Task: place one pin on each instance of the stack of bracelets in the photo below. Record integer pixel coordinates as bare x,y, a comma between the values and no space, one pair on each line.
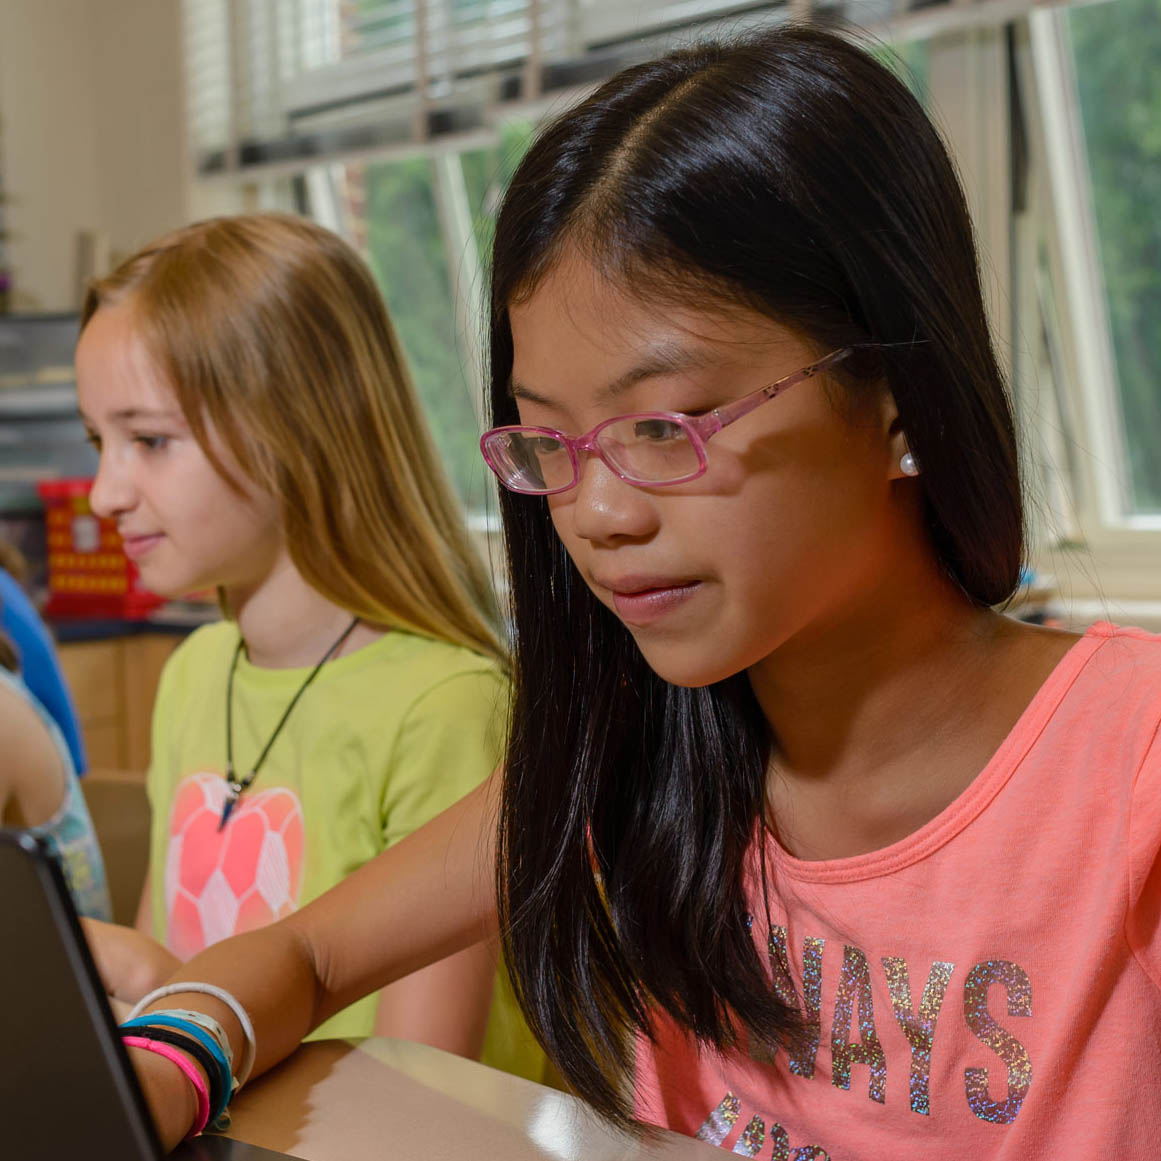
193,1040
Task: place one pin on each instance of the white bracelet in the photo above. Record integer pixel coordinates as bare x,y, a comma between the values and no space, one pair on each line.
210,1025
184,987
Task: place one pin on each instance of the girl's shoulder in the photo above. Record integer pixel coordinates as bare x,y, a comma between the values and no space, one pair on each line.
1115,689
403,683
417,664
1127,659
1130,635
418,653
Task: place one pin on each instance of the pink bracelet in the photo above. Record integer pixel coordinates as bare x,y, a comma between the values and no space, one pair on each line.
187,1066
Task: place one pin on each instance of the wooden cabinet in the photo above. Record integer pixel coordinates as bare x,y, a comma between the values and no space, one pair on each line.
114,683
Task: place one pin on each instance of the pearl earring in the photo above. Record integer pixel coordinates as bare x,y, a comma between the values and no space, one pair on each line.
908,466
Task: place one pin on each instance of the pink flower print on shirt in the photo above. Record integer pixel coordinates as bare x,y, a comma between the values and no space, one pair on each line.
221,883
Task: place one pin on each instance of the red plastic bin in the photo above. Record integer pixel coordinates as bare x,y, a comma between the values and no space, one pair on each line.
89,574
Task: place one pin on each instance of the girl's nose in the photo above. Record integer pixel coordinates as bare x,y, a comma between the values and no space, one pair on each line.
112,493
605,508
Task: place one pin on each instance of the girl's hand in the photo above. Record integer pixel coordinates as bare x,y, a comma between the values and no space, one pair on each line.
130,964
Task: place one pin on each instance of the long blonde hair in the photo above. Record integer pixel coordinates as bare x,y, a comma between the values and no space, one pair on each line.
275,338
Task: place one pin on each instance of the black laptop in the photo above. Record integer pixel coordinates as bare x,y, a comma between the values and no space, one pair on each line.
67,1090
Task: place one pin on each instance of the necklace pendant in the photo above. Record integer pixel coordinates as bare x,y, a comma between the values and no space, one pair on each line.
232,796
234,788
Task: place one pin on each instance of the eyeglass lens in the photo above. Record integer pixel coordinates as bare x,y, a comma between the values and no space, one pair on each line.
530,462
648,449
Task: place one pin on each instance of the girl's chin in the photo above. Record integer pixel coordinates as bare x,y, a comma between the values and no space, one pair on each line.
689,667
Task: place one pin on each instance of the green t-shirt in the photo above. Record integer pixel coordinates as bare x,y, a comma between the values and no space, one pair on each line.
384,739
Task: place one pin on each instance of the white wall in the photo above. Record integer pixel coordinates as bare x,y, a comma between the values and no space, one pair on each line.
92,134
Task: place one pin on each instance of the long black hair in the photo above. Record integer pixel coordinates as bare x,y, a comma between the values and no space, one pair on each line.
792,173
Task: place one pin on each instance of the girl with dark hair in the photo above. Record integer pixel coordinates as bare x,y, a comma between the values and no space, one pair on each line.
788,812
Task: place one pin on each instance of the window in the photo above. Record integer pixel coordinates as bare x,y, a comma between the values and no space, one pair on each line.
1052,115
425,225
1116,48
1082,304
909,61
487,173
392,218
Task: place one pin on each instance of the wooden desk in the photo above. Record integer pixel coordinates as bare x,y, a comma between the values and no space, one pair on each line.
389,1100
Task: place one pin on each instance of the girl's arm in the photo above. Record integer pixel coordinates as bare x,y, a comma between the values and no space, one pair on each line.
420,901
32,780
445,1005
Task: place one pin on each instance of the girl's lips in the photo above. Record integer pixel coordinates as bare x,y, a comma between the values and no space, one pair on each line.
137,546
644,606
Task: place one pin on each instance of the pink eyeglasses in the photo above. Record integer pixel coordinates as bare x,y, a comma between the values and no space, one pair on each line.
651,449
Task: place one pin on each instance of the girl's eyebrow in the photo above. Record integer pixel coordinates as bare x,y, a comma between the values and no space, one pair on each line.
519,391
129,414
666,358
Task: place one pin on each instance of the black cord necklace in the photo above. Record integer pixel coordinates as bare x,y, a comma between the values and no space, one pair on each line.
237,788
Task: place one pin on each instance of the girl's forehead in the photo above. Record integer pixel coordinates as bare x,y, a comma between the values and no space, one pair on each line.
115,370
578,323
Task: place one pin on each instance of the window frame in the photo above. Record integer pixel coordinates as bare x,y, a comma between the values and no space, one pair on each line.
1103,503
1107,559
1078,379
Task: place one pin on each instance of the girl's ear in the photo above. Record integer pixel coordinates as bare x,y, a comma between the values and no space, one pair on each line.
901,464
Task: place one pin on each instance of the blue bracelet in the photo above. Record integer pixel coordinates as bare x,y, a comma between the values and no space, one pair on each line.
194,1032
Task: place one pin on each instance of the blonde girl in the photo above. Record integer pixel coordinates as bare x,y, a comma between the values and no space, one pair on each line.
259,435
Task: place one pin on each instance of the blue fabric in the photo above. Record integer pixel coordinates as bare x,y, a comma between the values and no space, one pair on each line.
39,666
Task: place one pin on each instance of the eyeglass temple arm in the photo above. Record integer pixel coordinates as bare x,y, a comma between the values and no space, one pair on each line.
720,417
